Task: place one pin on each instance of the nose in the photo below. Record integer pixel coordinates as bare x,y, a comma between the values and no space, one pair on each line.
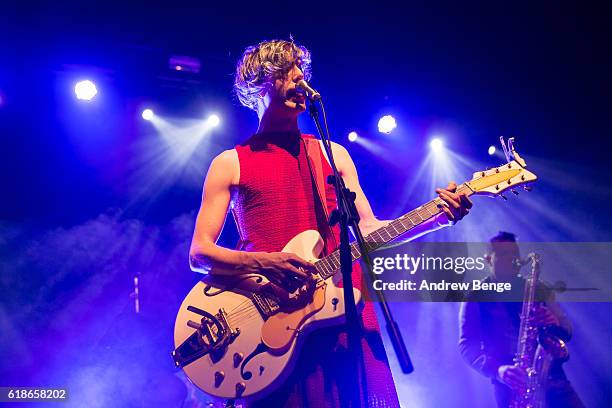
298,75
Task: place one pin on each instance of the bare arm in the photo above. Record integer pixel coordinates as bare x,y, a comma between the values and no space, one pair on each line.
205,255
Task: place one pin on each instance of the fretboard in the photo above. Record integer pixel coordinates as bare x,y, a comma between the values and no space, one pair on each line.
330,264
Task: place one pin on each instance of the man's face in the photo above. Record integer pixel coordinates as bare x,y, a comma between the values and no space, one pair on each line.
283,98
502,259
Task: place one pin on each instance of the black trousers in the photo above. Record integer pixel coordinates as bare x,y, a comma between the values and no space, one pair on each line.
559,394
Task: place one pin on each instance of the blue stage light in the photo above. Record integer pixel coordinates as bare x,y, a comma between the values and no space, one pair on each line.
352,136
386,124
491,150
436,145
213,120
147,114
85,90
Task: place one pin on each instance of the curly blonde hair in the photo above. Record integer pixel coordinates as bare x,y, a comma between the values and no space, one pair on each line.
261,64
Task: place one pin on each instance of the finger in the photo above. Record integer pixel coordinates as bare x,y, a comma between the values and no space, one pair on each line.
275,278
451,194
465,201
450,198
289,267
452,186
283,295
515,378
301,262
278,290
449,213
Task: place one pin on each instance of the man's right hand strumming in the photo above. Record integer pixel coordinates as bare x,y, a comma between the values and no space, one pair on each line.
286,272
281,268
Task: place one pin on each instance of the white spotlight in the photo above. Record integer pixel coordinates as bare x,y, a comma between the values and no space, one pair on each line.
85,90
352,136
491,150
436,144
147,114
386,124
213,120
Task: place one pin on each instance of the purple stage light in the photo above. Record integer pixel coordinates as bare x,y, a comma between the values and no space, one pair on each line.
352,136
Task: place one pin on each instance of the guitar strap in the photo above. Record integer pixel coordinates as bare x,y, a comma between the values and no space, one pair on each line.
314,155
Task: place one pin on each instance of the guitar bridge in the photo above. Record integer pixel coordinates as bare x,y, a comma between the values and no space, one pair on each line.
212,334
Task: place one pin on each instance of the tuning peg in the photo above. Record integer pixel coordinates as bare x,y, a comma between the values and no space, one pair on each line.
527,188
503,196
514,192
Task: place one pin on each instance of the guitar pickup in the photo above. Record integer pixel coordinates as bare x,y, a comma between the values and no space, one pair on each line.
266,305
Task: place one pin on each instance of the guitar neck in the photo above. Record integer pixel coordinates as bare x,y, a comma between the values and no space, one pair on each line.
330,264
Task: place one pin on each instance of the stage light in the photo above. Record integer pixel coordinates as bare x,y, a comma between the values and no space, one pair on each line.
491,150
85,90
352,136
436,145
184,63
213,120
147,114
386,124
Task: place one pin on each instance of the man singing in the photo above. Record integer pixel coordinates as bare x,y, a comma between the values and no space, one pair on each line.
268,185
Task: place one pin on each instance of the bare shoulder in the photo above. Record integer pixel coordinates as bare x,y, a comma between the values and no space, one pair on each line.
337,148
340,153
226,165
341,156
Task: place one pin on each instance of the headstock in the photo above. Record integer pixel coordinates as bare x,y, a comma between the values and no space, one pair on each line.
494,182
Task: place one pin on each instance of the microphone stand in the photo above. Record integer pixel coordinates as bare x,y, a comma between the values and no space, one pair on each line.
346,216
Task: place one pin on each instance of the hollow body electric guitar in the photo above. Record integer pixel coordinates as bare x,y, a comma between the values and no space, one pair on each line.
234,339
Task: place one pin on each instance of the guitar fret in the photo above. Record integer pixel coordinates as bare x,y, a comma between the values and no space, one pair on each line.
426,206
412,224
412,220
404,228
322,268
386,232
328,268
355,252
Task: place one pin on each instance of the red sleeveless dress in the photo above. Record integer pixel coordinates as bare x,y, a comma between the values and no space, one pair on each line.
276,199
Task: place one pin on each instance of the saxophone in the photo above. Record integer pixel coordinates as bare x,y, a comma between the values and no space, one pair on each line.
537,346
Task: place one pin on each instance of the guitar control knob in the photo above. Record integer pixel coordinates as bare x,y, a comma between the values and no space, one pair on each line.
219,376
238,358
240,387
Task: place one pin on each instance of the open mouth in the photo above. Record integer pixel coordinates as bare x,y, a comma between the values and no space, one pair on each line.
296,95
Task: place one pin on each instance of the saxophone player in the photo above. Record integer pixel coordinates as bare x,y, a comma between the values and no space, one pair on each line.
489,330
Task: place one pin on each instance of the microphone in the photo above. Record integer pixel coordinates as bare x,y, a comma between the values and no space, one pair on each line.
312,94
